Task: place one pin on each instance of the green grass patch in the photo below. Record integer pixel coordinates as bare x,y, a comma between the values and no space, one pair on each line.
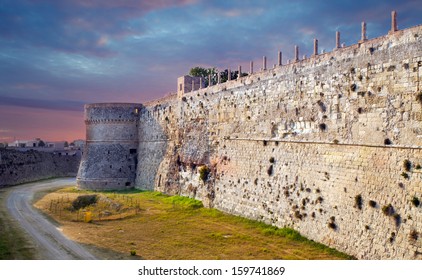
176,227
185,202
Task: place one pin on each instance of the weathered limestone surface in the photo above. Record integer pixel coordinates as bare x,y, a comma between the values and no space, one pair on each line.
321,125
318,145
21,167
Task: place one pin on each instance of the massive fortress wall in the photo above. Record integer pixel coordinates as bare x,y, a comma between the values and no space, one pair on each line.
322,145
18,167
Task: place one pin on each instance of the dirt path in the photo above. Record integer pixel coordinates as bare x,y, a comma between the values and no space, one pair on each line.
49,241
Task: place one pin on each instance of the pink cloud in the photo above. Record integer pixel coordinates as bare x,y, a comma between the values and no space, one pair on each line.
29,123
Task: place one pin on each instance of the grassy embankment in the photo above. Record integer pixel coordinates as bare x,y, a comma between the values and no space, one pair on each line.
155,226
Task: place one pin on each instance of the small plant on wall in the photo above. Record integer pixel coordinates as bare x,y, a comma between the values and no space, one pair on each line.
388,210
204,173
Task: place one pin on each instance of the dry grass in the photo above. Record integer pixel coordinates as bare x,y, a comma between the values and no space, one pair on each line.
161,227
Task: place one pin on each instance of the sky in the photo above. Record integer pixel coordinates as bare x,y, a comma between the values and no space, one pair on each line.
57,55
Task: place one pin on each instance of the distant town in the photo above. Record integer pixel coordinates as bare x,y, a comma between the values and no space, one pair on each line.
37,144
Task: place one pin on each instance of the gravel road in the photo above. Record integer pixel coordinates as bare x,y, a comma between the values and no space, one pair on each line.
50,242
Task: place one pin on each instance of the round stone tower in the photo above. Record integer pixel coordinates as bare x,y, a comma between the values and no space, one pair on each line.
110,159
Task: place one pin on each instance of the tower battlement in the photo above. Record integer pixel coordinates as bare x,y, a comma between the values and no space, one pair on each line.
110,156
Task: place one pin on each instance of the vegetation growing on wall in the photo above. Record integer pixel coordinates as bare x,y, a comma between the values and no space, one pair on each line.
204,173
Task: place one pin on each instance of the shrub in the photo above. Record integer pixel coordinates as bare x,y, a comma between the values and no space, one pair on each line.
415,201
388,210
272,160
353,87
133,252
358,201
407,165
83,201
418,166
204,173
387,141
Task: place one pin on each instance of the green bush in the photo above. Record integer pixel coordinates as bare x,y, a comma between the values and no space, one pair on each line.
83,201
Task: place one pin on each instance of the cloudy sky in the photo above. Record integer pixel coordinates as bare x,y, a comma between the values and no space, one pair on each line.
56,55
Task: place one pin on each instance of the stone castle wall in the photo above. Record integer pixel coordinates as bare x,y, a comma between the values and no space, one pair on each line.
21,167
330,145
110,156
320,145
